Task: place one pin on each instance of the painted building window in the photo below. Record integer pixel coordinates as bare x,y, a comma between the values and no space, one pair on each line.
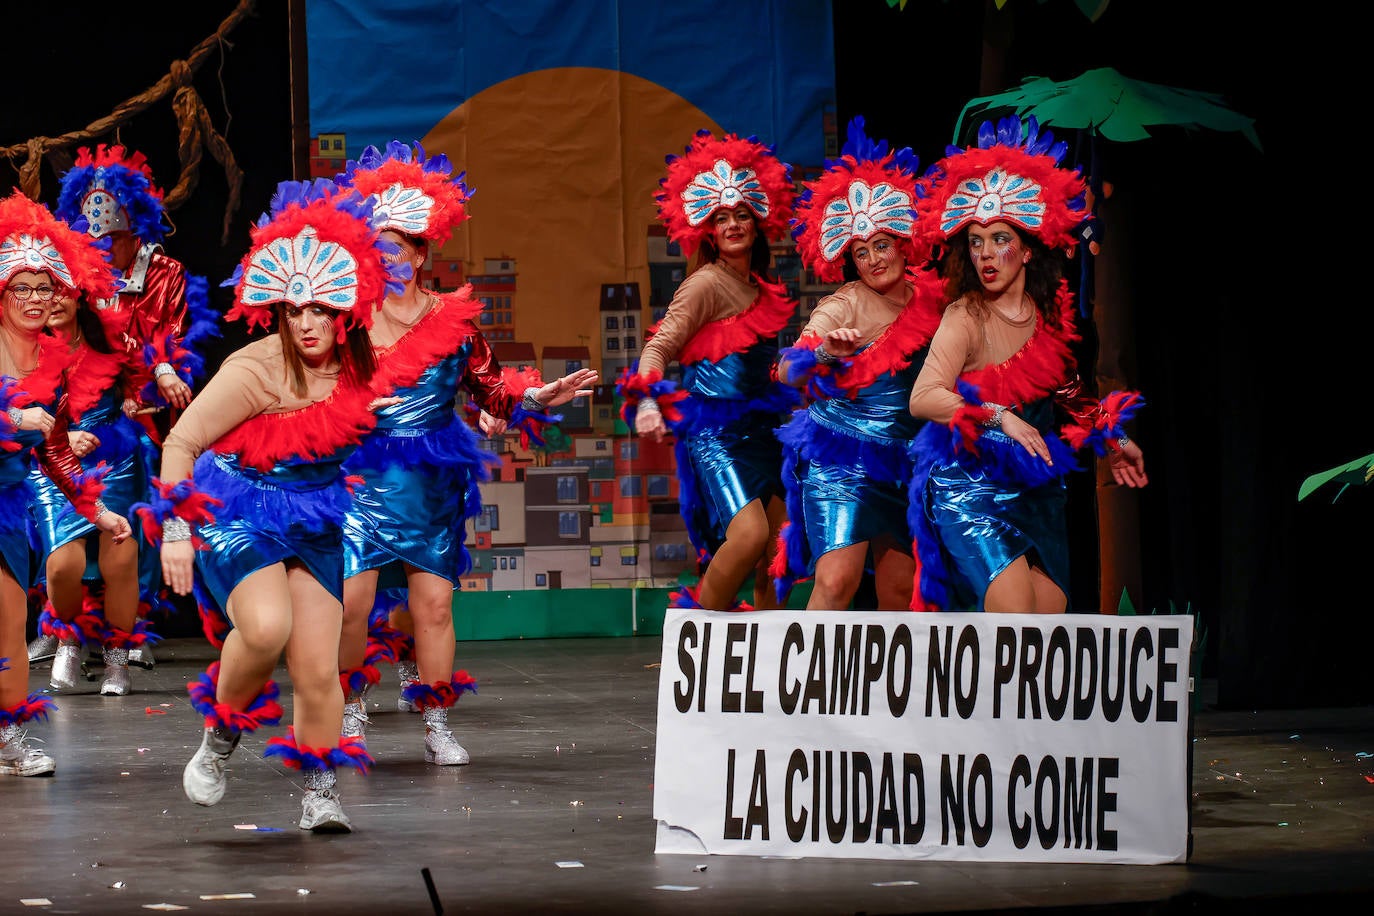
489,519
504,561
572,365
612,323
630,341
596,560
629,449
569,524
629,322
629,559
541,580
631,485
658,484
567,489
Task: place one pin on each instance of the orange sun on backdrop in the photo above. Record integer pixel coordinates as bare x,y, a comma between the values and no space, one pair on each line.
564,164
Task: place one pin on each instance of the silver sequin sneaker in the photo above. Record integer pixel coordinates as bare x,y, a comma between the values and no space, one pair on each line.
440,745
321,809
17,758
42,649
117,681
67,667
354,721
407,673
203,778
142,657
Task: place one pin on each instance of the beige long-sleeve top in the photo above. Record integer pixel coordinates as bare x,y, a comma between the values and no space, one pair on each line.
964,343
856,305
710,293
251,381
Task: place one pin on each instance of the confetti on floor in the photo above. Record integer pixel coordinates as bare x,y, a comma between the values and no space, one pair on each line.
35,901
165,906
675,887
570,864
226,896
895,883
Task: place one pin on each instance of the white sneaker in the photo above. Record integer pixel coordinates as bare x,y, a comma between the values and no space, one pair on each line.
354,721
18,759
407,673
203,779
67,666
42,649
322,812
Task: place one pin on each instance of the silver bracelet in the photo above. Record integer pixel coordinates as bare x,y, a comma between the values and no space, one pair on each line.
100,509
824,356
16,416
530,403
162,369
648,405
175,529
1122,441
994,421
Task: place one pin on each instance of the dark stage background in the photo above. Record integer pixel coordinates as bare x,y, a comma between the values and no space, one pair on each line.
1252,383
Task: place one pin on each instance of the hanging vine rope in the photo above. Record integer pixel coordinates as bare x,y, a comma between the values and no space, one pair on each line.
195,129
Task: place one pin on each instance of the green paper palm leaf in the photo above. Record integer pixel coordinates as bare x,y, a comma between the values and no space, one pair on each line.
1359,471
1112,106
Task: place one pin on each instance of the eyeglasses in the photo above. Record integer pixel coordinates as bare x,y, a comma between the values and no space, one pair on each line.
24,293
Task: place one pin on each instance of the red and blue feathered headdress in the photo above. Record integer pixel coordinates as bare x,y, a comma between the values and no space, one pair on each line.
413,195
315,245
869,189
1012,175
726,172
31,238
113,190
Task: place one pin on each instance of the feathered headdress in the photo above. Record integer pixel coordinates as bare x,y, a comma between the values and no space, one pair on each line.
869,189
727,172
1013,174
113,191
414,195
31,238
316,244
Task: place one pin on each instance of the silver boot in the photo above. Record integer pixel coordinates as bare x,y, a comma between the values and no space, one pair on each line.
117,681
42,649
407,673
67,667
203,778
142,657
354,721
440,745
17,758
321,808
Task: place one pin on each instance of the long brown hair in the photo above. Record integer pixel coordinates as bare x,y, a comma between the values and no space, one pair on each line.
357,361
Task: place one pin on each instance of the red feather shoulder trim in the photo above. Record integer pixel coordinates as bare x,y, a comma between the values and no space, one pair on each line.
765,317
1039,368
312,432
54,358
903,339
90,375
438,334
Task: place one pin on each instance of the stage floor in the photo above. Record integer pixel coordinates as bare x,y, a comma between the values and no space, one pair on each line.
555,813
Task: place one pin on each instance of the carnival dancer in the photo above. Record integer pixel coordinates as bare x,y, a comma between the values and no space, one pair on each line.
422,464
1000,383
164,310
74,550
40,257
845,460
266,438
727,196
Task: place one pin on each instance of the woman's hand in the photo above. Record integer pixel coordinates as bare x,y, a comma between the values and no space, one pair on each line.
1027,435
649,420
130,408
178,565
82,442
377,404
841,342
173,389
36,418
490,426
115,524
573,385
1128,465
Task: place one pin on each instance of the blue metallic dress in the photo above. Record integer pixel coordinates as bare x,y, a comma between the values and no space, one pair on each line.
847,465
278,476
95,398
18,549
422,464
984,497
727,451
